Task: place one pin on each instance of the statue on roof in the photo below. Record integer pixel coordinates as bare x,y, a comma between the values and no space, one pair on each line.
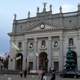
44,9
14,16
60,9
37,9
50,7
28,14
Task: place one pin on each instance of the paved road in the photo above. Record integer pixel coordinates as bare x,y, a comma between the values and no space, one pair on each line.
30,77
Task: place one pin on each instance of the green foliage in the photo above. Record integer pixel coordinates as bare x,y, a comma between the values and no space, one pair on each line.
70,60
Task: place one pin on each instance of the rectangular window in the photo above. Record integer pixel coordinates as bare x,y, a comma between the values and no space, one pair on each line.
71,42
43,44
20,44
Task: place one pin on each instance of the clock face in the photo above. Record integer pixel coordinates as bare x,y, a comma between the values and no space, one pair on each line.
42,26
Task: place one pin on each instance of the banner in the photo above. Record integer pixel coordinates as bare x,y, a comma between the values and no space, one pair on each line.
15,46
19,57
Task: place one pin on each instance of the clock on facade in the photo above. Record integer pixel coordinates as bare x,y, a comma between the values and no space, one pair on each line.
42,26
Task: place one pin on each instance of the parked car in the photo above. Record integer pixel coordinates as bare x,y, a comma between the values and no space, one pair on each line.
78,74
70,74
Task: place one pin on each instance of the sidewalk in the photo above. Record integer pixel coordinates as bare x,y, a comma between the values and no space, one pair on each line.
30,77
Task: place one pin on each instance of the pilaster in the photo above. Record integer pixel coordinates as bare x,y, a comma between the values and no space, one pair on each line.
12,55
25,45
36,54
61,55
77,52
49,53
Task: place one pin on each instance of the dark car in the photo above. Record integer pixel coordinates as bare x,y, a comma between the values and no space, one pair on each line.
78,74
68,74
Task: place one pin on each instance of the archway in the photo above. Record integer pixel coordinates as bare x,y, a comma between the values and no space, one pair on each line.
19,61
43,61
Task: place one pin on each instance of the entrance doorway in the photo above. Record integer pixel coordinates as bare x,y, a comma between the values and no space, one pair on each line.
43,61
56,66
19,61
30,65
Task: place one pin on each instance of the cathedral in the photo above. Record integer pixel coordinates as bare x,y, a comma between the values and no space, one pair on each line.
42,42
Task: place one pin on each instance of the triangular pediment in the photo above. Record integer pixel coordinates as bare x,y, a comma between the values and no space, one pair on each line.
42,26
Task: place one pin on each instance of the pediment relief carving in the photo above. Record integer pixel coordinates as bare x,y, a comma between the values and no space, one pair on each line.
42,26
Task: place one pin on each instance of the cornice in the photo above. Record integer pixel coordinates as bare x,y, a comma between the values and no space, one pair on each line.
51,16
42,31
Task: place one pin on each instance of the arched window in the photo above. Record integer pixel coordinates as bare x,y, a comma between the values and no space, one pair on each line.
71,42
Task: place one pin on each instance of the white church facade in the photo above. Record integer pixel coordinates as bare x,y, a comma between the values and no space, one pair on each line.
43,40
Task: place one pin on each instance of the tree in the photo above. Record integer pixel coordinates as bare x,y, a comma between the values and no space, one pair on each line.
71,61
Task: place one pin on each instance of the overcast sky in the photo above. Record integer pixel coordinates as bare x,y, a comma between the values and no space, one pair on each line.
21,7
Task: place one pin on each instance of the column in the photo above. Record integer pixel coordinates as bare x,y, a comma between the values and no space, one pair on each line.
25,55
49,52
12,64
36,53
61,55
77,52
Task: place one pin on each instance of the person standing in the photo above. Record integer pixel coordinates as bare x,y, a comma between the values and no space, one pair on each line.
25,73
21,73
42,75
45,77
53,75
